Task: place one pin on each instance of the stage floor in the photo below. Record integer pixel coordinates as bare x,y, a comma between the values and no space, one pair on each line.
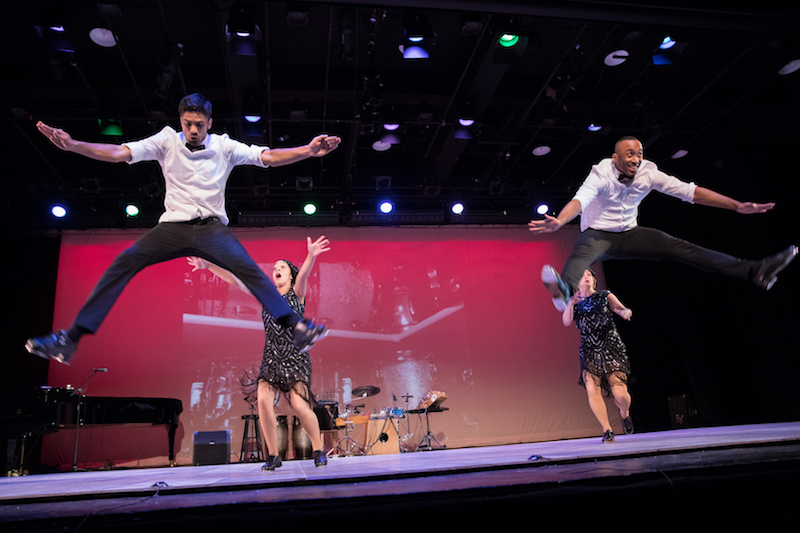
477,480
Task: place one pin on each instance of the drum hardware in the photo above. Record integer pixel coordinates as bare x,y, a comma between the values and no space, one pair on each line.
347,446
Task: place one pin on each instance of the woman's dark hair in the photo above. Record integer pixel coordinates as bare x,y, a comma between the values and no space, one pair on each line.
196,103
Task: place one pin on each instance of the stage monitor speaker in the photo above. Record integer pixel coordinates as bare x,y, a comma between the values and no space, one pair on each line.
212,447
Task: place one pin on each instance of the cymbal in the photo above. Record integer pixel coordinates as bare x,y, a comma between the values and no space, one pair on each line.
365,391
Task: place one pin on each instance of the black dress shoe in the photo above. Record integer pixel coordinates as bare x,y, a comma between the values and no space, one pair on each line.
273,462
627,425
306,333
608,437
320,459
767,273
57,346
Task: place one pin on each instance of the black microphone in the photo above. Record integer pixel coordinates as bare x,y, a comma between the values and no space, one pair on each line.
99,370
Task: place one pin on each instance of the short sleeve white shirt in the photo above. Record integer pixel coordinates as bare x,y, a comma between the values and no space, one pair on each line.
194,181
608,204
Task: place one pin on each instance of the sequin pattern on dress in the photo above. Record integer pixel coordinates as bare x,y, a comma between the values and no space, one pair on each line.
282,366
602,351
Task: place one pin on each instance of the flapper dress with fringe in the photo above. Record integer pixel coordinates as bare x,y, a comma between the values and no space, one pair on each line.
282,366
602,351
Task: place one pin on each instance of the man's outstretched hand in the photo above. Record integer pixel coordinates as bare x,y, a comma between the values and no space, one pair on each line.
57,136
322,145
548,225
750,208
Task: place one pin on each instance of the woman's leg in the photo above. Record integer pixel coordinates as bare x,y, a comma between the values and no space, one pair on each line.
308,418
266,417
596,402
619,389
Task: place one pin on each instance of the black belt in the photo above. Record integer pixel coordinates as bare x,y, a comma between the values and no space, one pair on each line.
208,220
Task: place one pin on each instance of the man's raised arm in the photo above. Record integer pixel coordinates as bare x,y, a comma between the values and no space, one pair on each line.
110,153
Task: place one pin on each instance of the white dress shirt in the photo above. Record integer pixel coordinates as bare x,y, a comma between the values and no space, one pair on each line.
194,181
610,205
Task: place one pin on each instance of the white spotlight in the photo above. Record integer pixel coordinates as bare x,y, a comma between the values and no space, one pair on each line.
540,151
386,207
457,208
542,209
616,58
58,211
791,66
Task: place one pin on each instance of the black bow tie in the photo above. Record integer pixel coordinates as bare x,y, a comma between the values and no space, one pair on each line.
623,178
193,148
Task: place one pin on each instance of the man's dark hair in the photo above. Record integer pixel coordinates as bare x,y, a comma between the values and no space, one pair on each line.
196,103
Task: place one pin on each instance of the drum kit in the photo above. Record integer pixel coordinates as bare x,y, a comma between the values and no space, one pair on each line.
347,419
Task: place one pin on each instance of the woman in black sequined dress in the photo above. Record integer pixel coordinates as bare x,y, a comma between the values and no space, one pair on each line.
284,370
604,358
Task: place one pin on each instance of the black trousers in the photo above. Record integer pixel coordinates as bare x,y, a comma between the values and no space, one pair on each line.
210,239
652,244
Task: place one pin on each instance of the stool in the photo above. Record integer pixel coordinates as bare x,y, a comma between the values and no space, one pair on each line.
252,448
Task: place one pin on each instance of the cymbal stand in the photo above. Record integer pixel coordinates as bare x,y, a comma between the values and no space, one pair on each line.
81,396
407,397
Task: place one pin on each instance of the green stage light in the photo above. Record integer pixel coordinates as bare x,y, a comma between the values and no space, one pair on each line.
507,40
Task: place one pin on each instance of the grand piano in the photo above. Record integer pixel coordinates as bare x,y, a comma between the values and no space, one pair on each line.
54,409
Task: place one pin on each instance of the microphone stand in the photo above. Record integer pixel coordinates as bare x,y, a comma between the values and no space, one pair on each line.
79,392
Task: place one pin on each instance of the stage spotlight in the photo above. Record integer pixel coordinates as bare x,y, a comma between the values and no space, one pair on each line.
791,66
542,209
49,24
418,37
507,40
540,151
309,209
131,210
466,114
297,14
110,127
381,146
667,42
251,109
594,127
457,208
304,183
386,207
58,211
616,58
242,31
679,154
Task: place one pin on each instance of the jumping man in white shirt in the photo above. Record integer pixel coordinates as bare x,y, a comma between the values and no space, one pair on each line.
196,165
608,202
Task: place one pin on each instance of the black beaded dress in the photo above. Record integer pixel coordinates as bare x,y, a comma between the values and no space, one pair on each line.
282,366
602,351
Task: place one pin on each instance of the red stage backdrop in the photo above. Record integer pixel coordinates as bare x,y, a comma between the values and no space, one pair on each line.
459,310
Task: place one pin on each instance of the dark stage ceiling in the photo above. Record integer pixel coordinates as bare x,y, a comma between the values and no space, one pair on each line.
341,71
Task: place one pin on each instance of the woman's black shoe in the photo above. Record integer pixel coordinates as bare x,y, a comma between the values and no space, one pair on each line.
273,462
608,437
627,425
320,459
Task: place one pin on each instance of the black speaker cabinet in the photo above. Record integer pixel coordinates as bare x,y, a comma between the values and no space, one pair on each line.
212,447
